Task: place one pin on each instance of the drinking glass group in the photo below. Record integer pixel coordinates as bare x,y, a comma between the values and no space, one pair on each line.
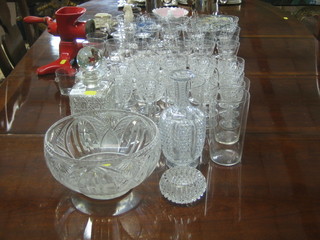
186,75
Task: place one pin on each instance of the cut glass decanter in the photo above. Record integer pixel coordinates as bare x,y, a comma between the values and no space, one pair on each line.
90,93
182,126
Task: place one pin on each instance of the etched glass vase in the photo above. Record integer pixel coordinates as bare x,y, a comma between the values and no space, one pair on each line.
182,126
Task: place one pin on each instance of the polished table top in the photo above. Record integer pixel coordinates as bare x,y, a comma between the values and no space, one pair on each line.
273,194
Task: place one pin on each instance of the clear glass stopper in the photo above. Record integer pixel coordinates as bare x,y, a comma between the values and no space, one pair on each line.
182,185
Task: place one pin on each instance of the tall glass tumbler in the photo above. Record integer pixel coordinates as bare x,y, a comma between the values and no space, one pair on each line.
65,78
229,120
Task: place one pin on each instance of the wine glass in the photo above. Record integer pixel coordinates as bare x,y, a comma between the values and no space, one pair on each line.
217,6
123,84
150,89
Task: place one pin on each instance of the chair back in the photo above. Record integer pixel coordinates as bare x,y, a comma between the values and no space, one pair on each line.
12,45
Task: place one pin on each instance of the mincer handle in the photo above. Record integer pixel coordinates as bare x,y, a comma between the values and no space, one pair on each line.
32,19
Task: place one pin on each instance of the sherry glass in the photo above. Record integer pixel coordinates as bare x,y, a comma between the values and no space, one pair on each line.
231,70
169,63
149,87
123,76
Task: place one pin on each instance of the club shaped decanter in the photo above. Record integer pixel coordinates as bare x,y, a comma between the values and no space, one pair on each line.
182,126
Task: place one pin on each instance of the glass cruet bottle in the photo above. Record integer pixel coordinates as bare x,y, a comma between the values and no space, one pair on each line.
182,126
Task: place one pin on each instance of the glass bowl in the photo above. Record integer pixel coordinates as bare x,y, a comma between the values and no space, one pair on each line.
102,154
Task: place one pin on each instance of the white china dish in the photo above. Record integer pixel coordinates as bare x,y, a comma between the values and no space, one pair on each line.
170,12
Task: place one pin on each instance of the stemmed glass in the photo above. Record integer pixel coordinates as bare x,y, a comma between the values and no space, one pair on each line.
148,86
231,70
149,89
123,76
170,62
217,6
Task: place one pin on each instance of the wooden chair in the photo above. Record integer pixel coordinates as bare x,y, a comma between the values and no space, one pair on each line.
12,45
5,64
30,31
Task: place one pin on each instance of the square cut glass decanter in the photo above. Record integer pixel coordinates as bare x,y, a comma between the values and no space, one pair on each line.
182,126
90,93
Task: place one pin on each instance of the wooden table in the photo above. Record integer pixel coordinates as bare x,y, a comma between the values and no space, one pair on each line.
273,194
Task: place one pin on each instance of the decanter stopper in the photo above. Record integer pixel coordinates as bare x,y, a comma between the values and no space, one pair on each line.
89,60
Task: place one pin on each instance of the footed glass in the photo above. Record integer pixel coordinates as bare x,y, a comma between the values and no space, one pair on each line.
182,126
102,154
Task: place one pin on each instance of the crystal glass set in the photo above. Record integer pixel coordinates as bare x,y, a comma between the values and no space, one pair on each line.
170,70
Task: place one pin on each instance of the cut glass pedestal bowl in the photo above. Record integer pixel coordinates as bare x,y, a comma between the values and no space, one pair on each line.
102,154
